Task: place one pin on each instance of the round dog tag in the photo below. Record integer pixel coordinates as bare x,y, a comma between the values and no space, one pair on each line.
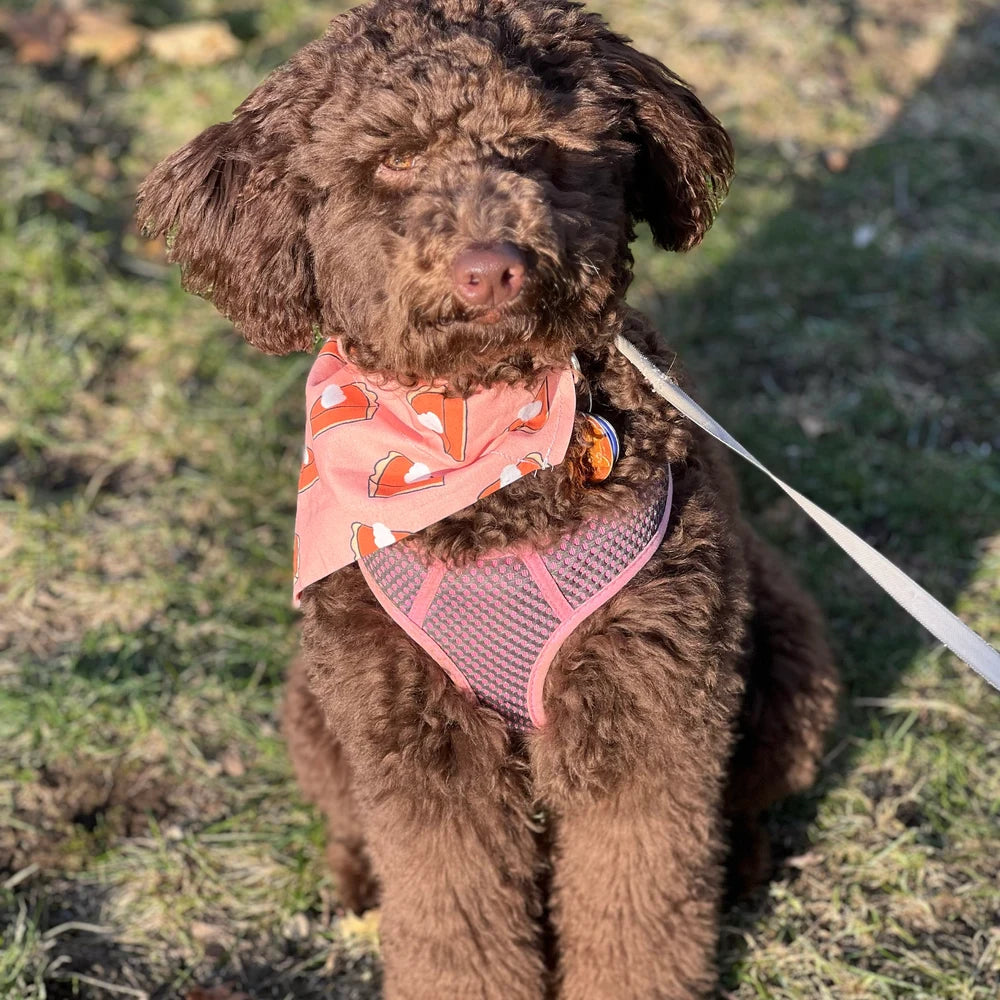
604,448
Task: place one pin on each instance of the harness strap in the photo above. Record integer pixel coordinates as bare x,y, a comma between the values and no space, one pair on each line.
931,613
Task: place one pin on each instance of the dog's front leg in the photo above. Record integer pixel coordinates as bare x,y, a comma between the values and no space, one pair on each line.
631,768
636,888
447,821
455,857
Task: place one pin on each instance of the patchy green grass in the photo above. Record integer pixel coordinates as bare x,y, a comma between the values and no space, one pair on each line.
844,324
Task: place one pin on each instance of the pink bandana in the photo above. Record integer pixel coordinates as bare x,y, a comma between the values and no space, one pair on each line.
382,462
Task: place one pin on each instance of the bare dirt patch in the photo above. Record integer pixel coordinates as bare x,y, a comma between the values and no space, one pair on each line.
73,810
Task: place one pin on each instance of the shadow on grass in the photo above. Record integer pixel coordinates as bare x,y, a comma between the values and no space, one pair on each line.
846,345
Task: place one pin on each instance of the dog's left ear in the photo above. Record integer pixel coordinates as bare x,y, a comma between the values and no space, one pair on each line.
685,158
235,214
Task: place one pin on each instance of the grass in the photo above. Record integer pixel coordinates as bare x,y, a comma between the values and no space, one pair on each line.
843,323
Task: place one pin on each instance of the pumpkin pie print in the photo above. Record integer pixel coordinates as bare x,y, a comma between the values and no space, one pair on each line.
309,474
532,416
369,538
342,404
396,474
512,473
444,415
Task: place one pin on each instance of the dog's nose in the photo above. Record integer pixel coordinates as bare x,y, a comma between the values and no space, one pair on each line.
490,275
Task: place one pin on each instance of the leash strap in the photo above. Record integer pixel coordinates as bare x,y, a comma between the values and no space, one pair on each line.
931,613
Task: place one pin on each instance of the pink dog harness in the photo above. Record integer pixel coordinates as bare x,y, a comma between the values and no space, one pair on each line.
496,626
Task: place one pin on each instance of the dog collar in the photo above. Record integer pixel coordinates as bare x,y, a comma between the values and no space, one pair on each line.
383,461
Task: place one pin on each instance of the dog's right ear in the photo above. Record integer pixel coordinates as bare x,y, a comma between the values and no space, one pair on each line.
235,218
684,159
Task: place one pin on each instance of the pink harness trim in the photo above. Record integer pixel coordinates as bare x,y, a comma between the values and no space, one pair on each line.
496,626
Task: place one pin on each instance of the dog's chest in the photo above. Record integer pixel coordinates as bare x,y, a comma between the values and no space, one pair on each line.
496,626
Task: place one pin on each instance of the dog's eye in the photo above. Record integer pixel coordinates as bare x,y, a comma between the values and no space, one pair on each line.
400,161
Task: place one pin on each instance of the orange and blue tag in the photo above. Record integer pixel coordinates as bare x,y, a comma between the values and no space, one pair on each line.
604,447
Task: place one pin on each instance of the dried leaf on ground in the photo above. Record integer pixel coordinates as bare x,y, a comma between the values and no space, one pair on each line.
836,160
198,43
105,36
359,933
215,993
232,763
37,35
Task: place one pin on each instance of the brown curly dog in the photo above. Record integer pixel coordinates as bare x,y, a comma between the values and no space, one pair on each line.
450,187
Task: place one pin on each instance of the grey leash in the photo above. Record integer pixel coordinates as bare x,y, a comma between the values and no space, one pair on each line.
931,613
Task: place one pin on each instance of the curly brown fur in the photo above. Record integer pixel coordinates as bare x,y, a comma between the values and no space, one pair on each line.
584,860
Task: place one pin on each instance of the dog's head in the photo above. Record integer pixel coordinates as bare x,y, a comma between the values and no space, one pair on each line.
449,185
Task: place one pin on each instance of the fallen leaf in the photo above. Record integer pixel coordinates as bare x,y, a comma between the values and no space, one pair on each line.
202,931
232,764
297,927
196,43
104,36
836,160
813,426
38,35
213,938
215,993
804,860
359,934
